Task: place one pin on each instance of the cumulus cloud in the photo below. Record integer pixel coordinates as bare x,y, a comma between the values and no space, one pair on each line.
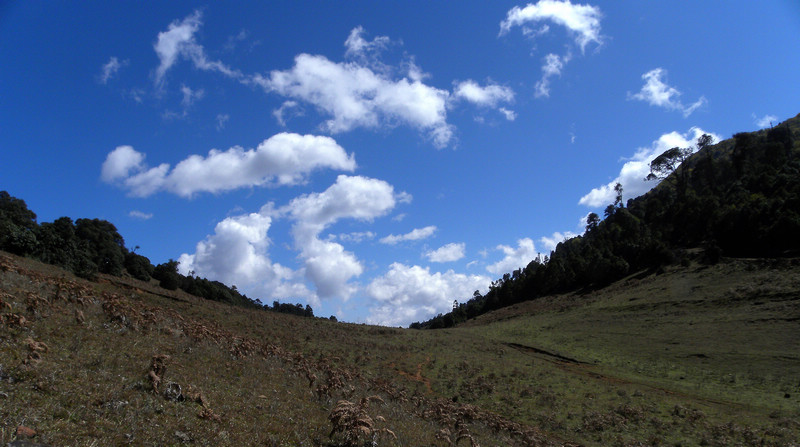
283,159
414,235
237,254
360,92
327,264
110,69
489,96
582,21
514,258
359,48
120,162
633,172
550,242
657,92
356,96
447,253
353,197
412,293
178,41
765,121
363,92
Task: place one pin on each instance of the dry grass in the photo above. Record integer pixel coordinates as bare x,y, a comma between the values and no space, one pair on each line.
121,362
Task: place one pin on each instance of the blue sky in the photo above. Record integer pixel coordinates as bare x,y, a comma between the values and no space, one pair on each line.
377,160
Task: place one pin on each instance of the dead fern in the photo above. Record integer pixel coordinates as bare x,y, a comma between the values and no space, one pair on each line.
356,426
158,366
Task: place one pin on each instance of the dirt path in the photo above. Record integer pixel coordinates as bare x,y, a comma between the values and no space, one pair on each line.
416,377
588,370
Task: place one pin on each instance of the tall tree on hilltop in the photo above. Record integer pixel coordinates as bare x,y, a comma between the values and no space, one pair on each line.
665,164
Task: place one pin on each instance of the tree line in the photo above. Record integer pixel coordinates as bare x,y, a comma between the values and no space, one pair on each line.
738,198
87,247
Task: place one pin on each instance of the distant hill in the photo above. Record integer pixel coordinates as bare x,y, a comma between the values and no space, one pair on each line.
88,247
737,198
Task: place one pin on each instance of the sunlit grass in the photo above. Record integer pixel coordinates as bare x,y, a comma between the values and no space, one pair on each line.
683,358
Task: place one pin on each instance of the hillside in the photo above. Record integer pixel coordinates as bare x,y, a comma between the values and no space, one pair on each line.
698,355
737,198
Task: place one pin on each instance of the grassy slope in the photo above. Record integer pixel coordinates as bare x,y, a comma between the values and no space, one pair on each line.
693,356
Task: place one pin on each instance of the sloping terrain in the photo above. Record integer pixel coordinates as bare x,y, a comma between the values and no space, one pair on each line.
694,356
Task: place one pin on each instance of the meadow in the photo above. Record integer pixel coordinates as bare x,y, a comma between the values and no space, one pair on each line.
693,355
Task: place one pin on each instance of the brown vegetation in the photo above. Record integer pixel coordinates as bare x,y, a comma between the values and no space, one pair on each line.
109,362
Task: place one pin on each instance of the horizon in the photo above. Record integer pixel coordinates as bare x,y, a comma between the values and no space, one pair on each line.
373,163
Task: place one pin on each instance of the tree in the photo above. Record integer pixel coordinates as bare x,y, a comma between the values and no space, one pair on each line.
138,266
58,244
105,245
618,191
665,164
592,220
17,225
167,274
704,141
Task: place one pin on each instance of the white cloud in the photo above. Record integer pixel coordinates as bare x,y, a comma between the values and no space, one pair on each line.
120,162
354,95
353,197
509,114
330,267
447,253
136,214
553,64
582,21
414,235
283,159
358,47
412,293
237,254
327,264
765,121
657,92
515,258
550,242
190,96
179,42
633,172
290,108
356,237
222,120
488,96
110,69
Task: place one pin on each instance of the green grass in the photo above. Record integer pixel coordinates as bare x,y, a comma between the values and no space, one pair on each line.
697,356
